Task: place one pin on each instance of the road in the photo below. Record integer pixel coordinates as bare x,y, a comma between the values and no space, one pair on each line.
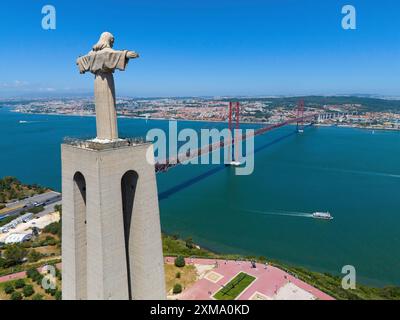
48,199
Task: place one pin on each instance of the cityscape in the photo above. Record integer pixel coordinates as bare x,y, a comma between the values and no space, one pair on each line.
253,110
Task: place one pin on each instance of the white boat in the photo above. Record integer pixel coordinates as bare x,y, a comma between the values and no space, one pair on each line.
322,215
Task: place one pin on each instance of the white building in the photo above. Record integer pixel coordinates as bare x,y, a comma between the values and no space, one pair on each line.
18,238
11,225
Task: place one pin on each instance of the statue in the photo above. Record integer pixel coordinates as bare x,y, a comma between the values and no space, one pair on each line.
102,62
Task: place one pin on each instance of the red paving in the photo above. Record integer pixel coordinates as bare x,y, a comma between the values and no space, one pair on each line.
268,281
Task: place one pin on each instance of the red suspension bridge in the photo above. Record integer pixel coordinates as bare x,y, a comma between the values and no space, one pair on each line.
235,136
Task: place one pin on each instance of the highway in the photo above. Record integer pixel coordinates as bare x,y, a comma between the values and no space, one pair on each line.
48,200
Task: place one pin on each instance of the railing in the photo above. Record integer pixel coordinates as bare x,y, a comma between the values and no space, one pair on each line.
100,145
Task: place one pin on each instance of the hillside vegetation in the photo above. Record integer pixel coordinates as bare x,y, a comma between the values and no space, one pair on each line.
12,189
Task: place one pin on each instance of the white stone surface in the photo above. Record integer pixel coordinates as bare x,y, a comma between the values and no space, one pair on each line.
93,253
102,61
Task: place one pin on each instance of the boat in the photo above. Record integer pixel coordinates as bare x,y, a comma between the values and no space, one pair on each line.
322,215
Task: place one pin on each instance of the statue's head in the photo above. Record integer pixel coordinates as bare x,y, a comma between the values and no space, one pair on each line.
106,41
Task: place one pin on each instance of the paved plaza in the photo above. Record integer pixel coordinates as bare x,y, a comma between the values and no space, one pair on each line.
271,283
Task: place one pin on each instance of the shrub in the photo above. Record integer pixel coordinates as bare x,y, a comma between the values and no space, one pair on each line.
53,228
14,253
178,275
177,289
38,279
58,295
9,288
189,243
34,256
20,283
36,209
16,295
32,273
58,273
180,261
3,262
28,291
51,242
37,296
52,292
27,244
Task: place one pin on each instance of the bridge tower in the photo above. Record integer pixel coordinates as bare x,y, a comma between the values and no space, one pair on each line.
234,110
300,115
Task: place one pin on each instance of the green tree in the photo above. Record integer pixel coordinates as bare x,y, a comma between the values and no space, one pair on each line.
51,291
37,209
177,288
28,291
20,283
14,253
16,295
9,288
180,261
37,296
53,228
32,273
34,256
58,207
38,279
3,262
189,243
58,295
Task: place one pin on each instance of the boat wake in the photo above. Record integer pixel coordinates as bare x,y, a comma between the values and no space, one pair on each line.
355,172
282,213
26,121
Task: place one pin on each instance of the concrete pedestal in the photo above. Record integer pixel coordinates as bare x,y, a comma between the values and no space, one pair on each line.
111,235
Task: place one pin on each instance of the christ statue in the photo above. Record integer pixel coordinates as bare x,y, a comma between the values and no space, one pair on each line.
102,61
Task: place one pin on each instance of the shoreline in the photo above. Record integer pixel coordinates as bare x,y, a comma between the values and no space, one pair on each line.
210,121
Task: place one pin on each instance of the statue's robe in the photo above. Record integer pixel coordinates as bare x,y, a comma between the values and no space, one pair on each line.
106,60
102,64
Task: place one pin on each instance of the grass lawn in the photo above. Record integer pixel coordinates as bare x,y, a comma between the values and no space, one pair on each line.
234,287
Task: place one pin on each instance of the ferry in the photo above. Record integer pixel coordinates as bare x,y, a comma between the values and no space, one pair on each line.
322,215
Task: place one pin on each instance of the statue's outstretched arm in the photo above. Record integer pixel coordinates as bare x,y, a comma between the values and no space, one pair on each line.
132,55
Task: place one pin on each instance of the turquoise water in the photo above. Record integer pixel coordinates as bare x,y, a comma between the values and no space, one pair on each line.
352,173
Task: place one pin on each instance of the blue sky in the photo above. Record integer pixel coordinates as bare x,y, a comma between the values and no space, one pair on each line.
195,48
